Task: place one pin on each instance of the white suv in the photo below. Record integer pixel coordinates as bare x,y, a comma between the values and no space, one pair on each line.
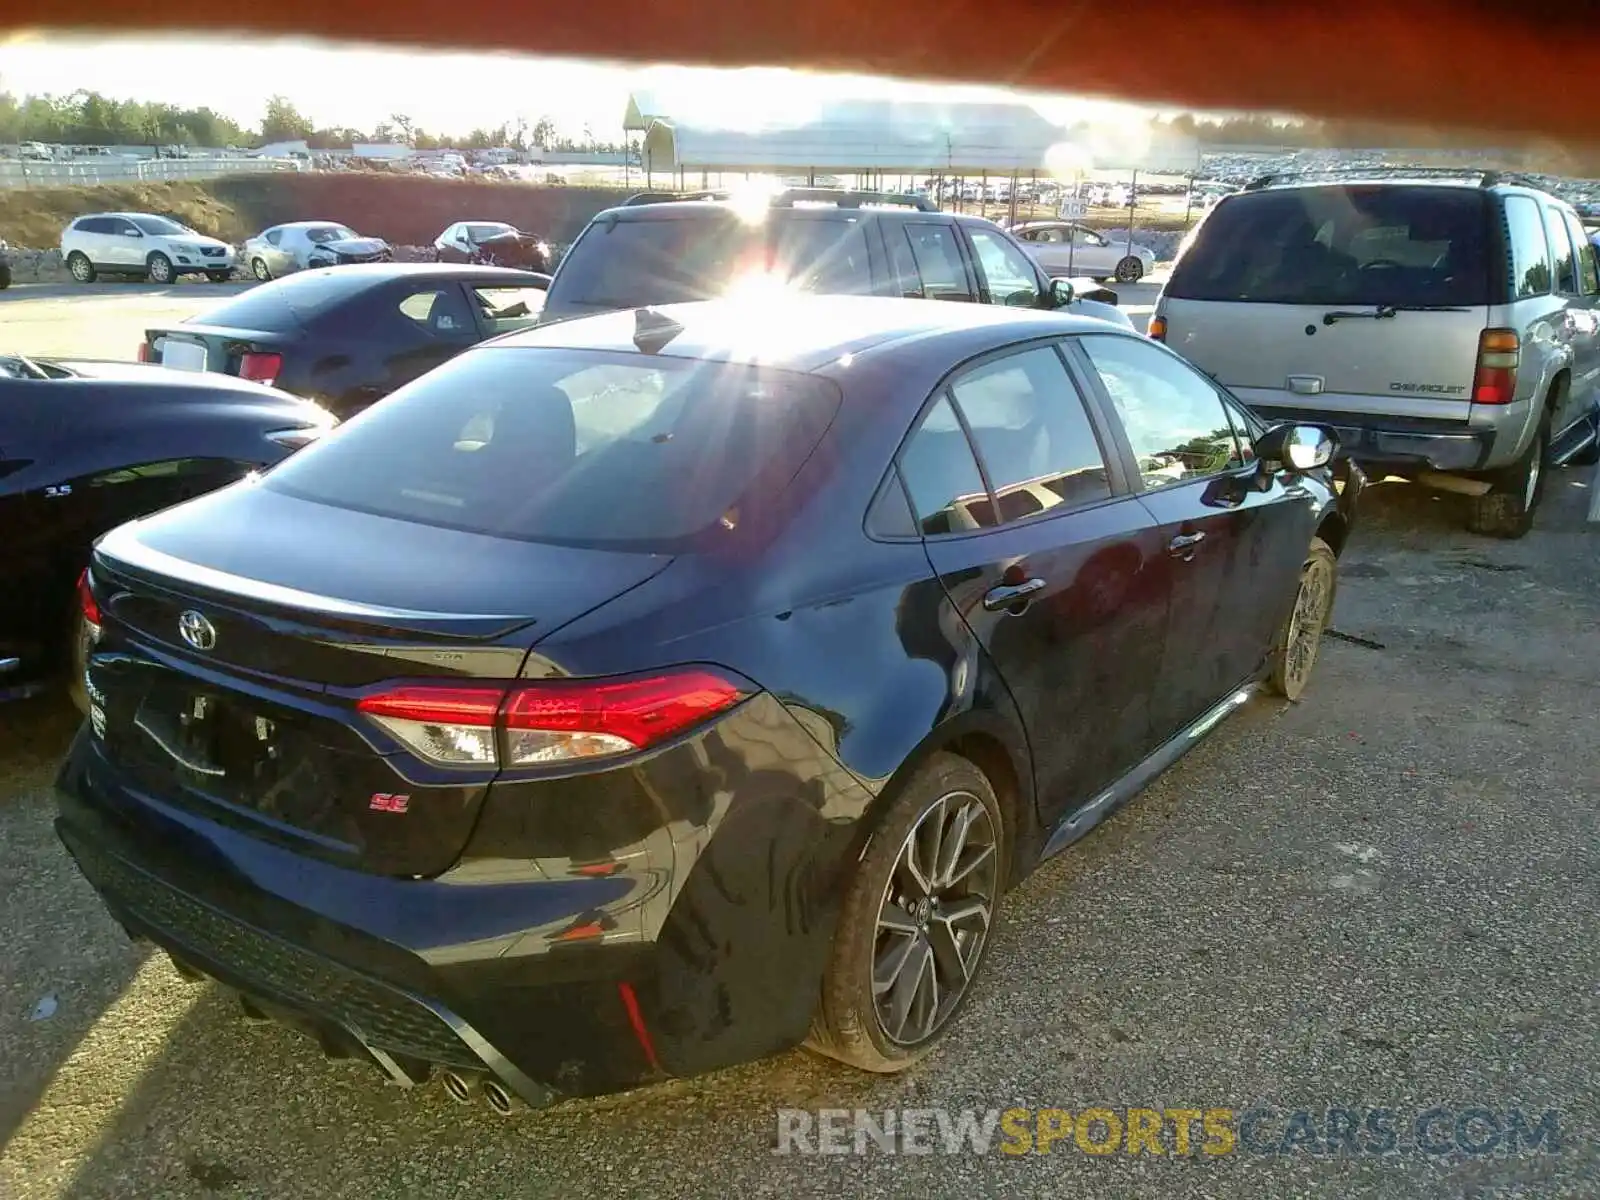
157,248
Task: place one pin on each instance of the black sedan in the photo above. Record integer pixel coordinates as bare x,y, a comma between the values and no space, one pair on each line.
651,692
348,336
88,445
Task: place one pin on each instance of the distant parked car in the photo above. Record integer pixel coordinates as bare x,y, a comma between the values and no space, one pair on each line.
348,336
493,244
1066,248
306,245
85,446
143,244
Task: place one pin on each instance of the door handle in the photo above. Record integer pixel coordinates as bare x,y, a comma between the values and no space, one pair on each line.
997,599
1184,545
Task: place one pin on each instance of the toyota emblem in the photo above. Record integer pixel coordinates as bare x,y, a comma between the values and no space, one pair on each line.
196,630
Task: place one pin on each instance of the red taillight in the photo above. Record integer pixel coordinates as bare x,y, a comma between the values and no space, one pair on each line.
147,352
552,720
87,603
1499,354
260,367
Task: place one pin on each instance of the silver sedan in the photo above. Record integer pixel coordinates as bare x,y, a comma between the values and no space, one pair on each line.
300,245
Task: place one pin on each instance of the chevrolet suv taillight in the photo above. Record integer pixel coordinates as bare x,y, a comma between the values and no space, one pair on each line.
549,721
1499,353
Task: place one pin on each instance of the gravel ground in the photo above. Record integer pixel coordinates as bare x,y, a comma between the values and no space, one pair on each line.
1384,896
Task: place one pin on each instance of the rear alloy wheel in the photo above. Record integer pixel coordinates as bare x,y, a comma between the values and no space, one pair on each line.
1130,270
916,922
1506,509
159,268
259,268
1295,652
79,267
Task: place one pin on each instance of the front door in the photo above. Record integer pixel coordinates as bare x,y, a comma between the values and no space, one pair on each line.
1577,282
1050,561
1234,537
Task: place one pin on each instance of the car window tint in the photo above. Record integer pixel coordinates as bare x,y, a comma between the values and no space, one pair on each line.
1032,433
941,271
579,447
1566,275
438,311
1530,253
509,308
1588,269
1339,245
890,512
827,255
622,264
274,236
1007,270
947,489
1176,422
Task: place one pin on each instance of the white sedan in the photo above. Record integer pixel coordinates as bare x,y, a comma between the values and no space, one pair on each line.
1065,248
300,245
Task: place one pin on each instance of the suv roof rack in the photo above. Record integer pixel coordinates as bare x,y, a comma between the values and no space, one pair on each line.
789,197
1481,176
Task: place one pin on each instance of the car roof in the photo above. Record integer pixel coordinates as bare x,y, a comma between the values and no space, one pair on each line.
806,332
682,210
306,224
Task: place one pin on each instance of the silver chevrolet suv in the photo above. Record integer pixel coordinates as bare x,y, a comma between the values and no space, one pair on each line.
1446,324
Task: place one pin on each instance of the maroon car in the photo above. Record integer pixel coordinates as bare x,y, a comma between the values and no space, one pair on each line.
493,243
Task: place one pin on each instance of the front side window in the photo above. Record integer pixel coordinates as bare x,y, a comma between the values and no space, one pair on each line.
1006,269
1032,433
1531,269
1176,422
577,447
159,226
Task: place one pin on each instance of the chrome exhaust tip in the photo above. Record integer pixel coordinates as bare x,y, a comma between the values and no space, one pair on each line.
501,1100
457,1088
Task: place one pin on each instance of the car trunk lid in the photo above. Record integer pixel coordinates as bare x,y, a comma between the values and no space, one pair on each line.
235,650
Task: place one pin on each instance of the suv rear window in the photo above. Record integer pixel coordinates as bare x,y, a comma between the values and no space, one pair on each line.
1349,245
578,447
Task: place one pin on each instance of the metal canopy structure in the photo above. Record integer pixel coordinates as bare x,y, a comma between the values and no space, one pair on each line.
905,137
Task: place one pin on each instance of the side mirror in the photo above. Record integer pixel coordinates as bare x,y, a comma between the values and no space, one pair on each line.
1297,447
1062,293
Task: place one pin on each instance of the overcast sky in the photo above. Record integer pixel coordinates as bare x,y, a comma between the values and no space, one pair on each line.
448,92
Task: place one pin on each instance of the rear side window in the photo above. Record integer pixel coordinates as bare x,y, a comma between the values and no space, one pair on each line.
1335,246
1566,274
822,254
626,451
941,271
621,264
1530,253
947,489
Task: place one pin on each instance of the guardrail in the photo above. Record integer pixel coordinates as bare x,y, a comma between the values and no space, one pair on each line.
86,172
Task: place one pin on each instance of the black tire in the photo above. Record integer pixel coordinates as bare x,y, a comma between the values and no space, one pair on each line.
158,268
80,268
1587,457
1294,652
1506,510
259,268
847,1025
219,276
1130,270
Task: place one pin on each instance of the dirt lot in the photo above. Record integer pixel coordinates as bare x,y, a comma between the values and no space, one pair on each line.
1382,897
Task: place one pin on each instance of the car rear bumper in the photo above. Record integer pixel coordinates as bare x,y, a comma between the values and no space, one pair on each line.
698,951
1382,440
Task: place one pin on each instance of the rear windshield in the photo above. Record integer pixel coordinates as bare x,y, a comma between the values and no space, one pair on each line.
1340,246
587,448
285,303
621,264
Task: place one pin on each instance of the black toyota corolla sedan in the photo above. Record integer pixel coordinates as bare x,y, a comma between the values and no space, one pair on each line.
654,691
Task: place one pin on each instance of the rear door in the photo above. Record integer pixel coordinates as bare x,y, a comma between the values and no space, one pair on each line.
1233,542
1575,285
1048,558
1278,298
125,245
